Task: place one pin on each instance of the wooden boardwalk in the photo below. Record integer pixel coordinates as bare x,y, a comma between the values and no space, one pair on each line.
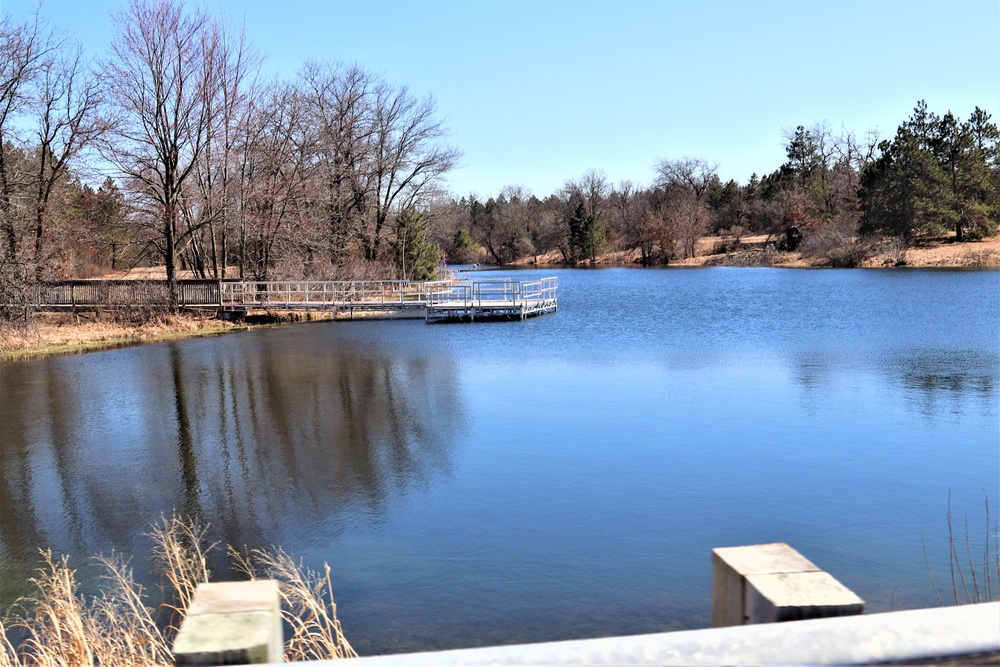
445,300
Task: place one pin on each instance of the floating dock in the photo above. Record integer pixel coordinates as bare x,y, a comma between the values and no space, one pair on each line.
499,299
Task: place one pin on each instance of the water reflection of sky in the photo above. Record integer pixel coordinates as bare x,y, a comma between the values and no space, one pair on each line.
564,476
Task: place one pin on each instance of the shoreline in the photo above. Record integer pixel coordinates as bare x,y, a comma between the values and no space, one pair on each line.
65,334
59,334
931,253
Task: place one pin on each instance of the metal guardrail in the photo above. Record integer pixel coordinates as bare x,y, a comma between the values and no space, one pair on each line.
503,290
302,294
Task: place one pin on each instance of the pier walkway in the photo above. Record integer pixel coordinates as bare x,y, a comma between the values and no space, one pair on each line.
442,300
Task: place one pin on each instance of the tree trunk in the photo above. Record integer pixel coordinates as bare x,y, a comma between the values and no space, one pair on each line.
5,213
170,257
39,227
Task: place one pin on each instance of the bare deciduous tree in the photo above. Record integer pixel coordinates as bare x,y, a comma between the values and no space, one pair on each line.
505,230
636,225
161,84
686,183
24,48
66,105
340,123
271,179
210,201
593,188
408,157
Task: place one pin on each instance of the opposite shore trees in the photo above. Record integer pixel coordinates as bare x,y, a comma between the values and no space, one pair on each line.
220,173
161,74
216,168
936,174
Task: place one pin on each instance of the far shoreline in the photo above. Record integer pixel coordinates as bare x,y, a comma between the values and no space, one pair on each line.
752,251
62,334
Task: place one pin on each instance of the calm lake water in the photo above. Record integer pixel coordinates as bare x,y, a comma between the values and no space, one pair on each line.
562,477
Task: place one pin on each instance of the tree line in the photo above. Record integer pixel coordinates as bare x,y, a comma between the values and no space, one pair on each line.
216,170
835,197
173,149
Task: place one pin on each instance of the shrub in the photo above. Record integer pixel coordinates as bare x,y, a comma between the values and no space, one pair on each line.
838,247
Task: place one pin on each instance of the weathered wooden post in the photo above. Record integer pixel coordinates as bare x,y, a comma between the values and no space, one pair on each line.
231,623
768,583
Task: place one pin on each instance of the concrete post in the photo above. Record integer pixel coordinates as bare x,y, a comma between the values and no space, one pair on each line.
769,583
231,623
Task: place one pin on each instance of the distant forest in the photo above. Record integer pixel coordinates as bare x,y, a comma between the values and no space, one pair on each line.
172,149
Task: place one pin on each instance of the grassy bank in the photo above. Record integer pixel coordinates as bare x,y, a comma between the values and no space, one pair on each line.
66,333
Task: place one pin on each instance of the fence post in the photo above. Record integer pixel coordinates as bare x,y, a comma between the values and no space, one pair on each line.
231,623
767,583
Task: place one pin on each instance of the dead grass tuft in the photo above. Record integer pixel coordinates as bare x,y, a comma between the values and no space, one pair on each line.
62,629
308,605
59,627
180,555
983,259
975,577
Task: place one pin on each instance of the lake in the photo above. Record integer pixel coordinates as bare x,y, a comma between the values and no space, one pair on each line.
562,477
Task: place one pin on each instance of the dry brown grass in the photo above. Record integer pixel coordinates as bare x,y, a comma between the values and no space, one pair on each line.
59,627
180,555
946,252
307,605
63,629
754,250
66,332
975,577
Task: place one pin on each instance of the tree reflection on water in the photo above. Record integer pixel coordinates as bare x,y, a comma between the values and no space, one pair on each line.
253,437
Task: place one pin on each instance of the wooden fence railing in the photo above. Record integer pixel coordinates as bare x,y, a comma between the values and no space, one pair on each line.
124,293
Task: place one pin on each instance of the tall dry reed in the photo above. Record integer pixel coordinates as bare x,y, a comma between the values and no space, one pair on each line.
974,577
59,627
180,554
307,604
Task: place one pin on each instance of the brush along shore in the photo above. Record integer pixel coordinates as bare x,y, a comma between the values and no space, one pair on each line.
67,333
763,250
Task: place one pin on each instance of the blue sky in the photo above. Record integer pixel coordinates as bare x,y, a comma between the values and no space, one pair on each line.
539,92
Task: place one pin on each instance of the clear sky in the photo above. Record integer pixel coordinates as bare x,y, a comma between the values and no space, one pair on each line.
538,92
